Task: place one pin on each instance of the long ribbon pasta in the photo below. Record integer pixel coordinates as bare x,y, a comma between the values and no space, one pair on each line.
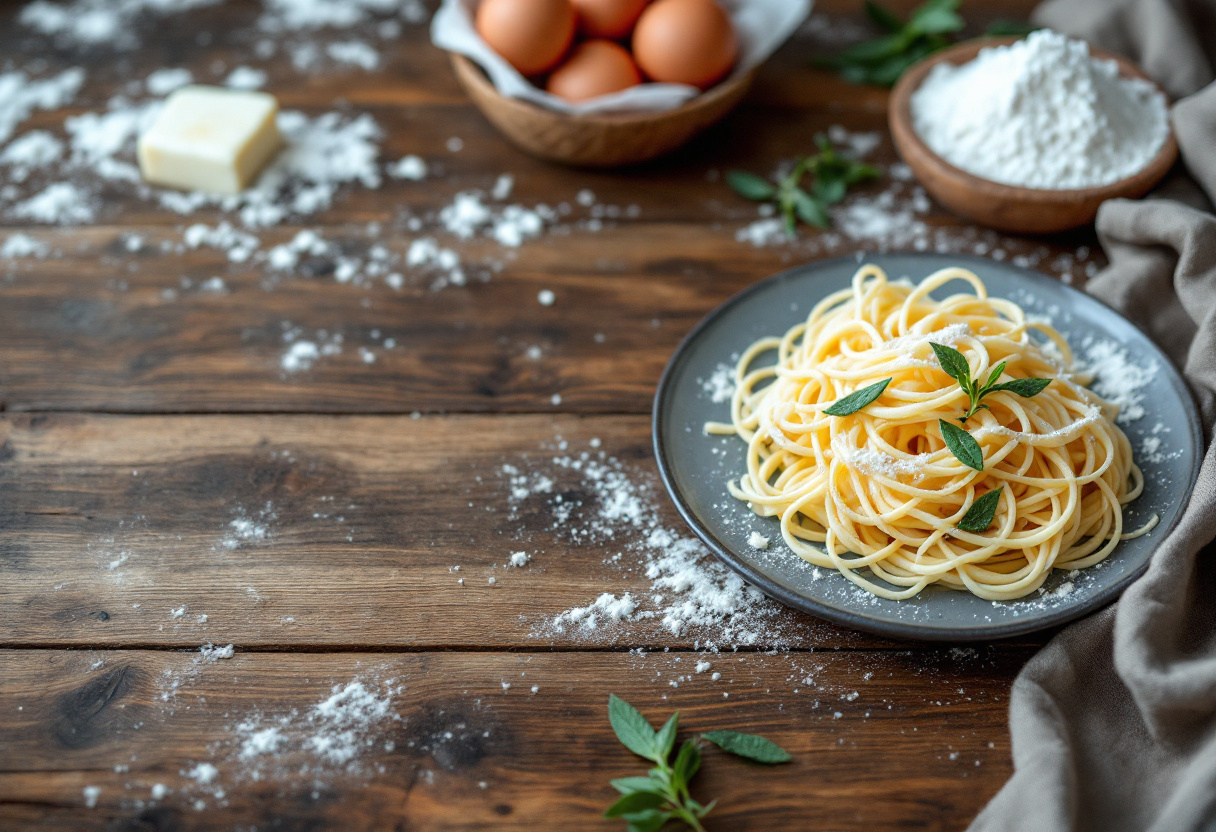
879,491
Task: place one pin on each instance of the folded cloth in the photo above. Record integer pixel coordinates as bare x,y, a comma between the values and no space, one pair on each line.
1114,721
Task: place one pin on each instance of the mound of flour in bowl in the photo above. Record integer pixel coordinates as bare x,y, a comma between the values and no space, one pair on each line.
1041,113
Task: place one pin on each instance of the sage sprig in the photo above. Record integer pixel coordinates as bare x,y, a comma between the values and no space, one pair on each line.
831,175
882,60
931,27
955,365
647,803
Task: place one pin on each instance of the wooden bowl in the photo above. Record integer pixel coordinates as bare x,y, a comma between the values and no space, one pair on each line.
599,141
1009,207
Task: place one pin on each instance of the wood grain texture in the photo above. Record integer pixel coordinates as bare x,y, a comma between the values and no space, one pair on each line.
112,523
98,332
115,529
894,741
96,327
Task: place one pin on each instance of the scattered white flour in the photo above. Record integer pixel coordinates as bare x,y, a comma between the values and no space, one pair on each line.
245,530
872,463
690,592
22,245
545,297
212,653
97,22
165,80
297,15
355,52
1117,378
519,558
60,203
246,78
159,790
757,541
335,731
607,606
408,167
32,150
720,386
91,793
302,354
203,773
1041,113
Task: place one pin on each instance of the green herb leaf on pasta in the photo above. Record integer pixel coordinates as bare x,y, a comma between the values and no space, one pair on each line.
1027,388
979,516
856,400
749,746
964,447
953,362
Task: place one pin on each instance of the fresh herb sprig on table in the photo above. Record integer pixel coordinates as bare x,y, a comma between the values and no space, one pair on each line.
647,803
831,176
882,60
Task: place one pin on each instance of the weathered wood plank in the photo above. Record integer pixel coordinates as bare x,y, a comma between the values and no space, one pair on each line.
452,748
105,329
311,530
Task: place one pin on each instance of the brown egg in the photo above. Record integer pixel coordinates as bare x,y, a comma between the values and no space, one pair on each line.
685,42
595,67
532,35
610,19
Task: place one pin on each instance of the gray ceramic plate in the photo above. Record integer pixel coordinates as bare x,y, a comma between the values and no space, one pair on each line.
1166,439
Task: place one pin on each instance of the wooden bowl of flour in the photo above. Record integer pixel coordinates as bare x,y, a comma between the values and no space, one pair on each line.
1010,207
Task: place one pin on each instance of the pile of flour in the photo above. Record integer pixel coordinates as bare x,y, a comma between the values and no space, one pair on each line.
1041,113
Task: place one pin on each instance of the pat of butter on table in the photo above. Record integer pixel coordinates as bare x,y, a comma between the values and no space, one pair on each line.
210,139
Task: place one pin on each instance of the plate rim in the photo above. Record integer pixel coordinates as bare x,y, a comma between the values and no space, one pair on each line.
920,631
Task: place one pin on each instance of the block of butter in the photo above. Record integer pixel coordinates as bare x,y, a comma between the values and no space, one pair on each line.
210,139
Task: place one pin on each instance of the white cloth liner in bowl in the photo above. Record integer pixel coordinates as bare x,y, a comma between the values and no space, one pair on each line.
762,26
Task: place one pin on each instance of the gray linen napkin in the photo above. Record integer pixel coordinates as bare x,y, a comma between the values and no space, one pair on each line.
1114,721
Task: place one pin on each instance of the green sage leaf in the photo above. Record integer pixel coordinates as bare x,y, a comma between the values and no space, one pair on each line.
688,761
993,376
883,16
962,444
811,210
629,785
858,399
829,190
750,186
954,363
1027,388
632,729
651,820
634,802
665,740
749,746
979,516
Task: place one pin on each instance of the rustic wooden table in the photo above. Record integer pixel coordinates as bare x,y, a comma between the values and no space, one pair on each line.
164,483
